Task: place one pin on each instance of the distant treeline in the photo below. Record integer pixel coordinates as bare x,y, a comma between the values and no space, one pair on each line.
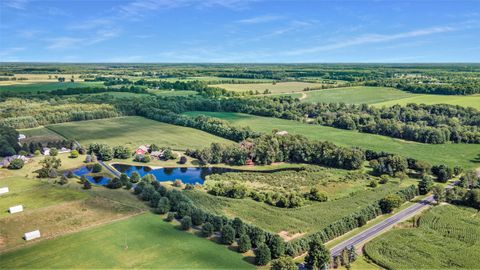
458,88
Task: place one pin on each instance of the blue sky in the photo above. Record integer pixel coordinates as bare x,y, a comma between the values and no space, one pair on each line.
239,31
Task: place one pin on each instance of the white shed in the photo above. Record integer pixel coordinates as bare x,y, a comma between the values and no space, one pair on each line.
16,209
32,235
4,190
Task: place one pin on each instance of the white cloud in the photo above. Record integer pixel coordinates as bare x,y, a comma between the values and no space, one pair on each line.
16,4
64,42
372,38
10,52
260,19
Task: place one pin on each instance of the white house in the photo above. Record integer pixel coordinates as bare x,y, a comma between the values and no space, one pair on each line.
15,209
46,151
31,235
4,190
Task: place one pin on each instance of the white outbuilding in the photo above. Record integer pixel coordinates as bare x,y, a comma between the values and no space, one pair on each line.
4,190
16,209
31,235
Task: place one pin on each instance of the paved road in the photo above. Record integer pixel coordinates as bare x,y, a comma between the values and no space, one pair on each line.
116,173
385,224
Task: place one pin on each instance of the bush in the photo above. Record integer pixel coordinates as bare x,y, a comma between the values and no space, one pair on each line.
317,195
177,183
87,185
53,152
170,217
135,178
227,235
74,154
283,263
70,174
277,247
198,217
262,255
186,223
383,179
63,180
96,168
425,185
390,202
207,229
16,164
142,158
373,183
183,160
114,183
163,205
244,243
37,153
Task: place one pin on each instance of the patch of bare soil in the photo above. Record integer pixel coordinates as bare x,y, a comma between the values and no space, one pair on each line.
287,236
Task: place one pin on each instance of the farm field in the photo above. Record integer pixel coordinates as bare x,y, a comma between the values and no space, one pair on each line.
167,93
453,154
45,87
448,237
134,131
40,134
281,87
465,101
304,219
144,241
355,95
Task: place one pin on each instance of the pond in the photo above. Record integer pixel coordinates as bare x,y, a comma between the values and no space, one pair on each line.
188,175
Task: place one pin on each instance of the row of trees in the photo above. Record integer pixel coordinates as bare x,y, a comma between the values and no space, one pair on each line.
457,88
8,141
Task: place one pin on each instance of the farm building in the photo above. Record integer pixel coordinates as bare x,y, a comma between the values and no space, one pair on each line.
21,136
4,190
6,161
46,151
142,149
15,209
157,154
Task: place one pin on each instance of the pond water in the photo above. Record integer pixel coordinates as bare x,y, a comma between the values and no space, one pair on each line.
188,175
97,180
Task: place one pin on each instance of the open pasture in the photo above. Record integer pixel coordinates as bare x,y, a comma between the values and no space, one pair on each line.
305,219
277,88
452,154
134,131
464,101
46,86
448,237
144,241
40,134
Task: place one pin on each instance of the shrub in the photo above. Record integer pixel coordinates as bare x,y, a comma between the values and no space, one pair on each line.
96,168
16,164
142,158
183,160
163,205
87,185
425,185
317,195
63,180
198,217
227,235
390,202
244,243
186,223
177,183
207,229
383,179
283,263
262,255
53,152
37,153
70,174
277,247
373,183
114,183
135,178
170,217
74,154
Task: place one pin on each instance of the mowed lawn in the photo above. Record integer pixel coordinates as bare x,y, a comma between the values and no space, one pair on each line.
448,238
133,131
355,95
281,87
47,86
144,241
465,155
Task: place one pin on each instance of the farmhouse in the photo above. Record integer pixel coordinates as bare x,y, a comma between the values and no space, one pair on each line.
142,149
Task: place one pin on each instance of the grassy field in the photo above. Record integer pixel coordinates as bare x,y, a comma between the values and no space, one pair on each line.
49,86
144,241
355,95
305,219
465,101
281,87
453,154
167,93
448,237
40,134
134,131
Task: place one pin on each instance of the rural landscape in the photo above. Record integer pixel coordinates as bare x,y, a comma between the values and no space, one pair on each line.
200,163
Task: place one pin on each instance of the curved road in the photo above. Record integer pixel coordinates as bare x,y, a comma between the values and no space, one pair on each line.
385,224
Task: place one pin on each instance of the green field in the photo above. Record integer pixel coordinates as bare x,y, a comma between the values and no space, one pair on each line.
448,237
144,241
40,87
167,93
40,134
304,219
465,101
453,154
134,131
355,95
281,87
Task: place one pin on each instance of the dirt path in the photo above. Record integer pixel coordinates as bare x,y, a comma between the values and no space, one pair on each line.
304,96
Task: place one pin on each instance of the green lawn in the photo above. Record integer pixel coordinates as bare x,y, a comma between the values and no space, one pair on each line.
48,86
144,242
448,237
453,154
465,101
134,131
356,95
